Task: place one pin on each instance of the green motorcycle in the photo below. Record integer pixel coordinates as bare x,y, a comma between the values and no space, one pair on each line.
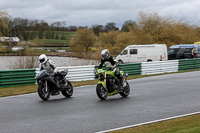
109,84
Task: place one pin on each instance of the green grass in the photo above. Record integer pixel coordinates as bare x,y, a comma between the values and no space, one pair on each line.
66,34
51,41
189,124
17,90
10,91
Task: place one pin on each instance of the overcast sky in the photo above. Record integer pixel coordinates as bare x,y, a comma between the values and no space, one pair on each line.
90,12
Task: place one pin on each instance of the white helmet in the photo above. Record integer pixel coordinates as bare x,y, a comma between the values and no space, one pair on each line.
105,54
42,58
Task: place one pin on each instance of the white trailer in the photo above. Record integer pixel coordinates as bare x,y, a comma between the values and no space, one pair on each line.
143,53
9,39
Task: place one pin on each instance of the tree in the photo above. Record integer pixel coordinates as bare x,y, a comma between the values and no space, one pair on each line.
72,28
82,41
108,40
127,24
4,27
97,29
42,27
111,26
4,21
124,39
152,28
58,26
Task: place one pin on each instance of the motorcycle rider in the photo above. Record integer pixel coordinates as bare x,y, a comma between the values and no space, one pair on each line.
105,56
48,65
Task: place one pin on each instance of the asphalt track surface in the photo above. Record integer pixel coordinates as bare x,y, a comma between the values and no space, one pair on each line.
151,98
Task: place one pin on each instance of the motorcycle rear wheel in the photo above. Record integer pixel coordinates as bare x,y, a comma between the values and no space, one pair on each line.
126,90
69,91
102,92
42,93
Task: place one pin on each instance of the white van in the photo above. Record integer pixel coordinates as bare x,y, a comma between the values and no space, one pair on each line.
143,53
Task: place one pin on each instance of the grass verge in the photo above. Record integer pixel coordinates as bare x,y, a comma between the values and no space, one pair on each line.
25,89
189,124
11,91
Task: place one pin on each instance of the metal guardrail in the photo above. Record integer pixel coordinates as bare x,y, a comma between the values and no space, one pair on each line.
189,64
79,73
17,77
130,68
158,67
84,73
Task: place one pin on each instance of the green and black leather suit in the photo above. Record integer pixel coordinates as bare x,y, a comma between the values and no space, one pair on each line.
113,62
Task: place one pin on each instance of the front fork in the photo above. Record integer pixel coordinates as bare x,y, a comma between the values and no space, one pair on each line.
105,81
46,86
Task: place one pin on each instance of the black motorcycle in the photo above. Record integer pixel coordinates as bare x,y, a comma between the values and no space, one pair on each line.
53,84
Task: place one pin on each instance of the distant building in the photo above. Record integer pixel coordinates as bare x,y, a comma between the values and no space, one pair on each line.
14,40
17,48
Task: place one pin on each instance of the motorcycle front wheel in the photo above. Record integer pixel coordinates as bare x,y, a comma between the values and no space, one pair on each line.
69,91
126,90
102,92
43,94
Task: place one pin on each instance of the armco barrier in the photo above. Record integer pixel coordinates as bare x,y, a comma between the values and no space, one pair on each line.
17,77
189,64
130,68
79,73
83,73
158,67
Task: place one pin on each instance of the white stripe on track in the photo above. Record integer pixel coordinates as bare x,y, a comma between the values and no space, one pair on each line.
150,122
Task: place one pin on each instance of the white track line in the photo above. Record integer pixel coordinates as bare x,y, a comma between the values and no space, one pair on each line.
150,122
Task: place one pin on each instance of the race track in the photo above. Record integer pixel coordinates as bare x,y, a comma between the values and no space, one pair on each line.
151,98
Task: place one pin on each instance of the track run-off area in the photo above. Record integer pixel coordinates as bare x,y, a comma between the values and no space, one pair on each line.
151,98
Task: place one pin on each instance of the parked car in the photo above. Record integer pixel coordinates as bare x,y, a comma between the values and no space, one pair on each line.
143,53
184,51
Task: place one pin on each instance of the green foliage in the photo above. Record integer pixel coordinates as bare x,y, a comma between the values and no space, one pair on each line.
4,19
108,40
149,29
155,29
83,41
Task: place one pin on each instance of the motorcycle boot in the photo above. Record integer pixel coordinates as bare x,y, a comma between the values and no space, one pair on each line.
57,84
57,89
55,92
121,86
123,82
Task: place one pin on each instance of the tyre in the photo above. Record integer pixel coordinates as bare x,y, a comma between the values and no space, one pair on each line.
102,92
149,60
69,91
120,62
126,91
43,94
